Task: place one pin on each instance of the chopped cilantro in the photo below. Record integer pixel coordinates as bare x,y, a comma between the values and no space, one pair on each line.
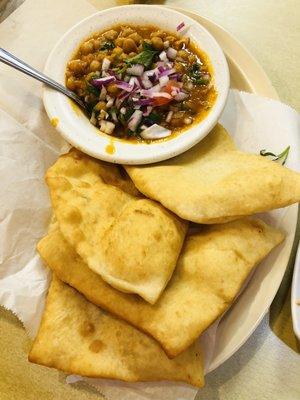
108,46
281,158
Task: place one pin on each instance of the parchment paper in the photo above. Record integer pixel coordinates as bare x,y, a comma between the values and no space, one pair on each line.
29,144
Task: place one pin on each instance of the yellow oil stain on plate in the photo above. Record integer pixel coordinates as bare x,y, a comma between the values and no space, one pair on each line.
54,122
110,148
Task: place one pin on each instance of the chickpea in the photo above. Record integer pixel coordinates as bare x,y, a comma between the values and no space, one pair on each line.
129,46
183,54
126,31
110,35
136,37
171,39
95,65
101,105
97,44
191,105
117,50
180,44
71,83
77,66
87,47
113,89
176,122
92,75
157,43
100,56
160,34
179,67
88,59
192,58
122,56
119,41
80,92
187,120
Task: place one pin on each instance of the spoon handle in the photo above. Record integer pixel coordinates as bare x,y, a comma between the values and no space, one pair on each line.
11,60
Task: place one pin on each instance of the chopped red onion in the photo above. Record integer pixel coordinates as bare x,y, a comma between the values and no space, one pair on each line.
103,81
163,56
114,116
125,86
175,91
123,110
169,116
180,26
105,64
175,76
103,93
149,92
136,70
135,119
136,107
162,94
163,80
171,53
137,81
107,127
160,64
147,111
167,72
151,72
123,95
103,115
181,96
143,102
155,132
110,101
93,119
146,81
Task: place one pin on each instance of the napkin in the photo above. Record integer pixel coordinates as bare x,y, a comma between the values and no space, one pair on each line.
29,145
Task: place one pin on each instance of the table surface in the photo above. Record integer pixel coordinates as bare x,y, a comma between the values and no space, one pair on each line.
265,367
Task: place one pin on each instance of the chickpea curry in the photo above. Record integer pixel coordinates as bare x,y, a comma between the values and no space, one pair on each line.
141,82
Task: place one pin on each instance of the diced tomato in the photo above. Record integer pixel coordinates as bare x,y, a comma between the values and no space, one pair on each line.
169,85
160,101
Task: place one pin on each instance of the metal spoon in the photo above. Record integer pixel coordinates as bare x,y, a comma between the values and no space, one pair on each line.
20,65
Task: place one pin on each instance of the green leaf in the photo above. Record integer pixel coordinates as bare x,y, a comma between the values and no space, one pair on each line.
128,113
148,46
108,46
281,158
154,117
196,75
93,90
145,58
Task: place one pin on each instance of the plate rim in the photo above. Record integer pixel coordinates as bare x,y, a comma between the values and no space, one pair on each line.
266,90
260,84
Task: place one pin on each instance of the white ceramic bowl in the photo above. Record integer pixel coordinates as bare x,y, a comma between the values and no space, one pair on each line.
75,127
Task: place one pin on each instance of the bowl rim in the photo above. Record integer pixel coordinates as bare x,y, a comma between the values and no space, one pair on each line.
126,153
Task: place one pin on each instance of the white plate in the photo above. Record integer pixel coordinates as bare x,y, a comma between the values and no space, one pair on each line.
249,309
